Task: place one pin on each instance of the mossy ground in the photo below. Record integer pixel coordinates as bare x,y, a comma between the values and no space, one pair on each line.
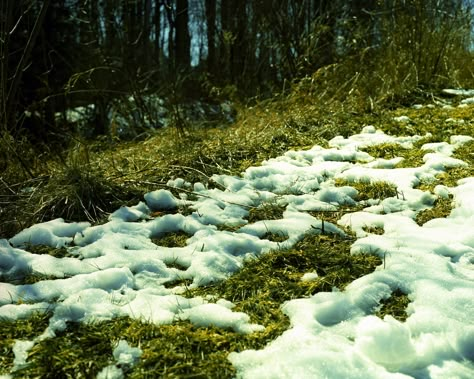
102,177
182,349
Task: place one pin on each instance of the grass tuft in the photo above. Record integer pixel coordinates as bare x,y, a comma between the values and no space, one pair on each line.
75,193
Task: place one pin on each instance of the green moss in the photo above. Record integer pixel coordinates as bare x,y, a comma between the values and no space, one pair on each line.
394,306
412,157
371,190
334,216
99,180
174,239
373,230
464,153
80,351
263,284
179,283
266,211
60,252
182,350
384,150
275,237
441,208
27,276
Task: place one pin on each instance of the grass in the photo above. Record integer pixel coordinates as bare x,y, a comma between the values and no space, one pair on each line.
72,188
95,178
22,329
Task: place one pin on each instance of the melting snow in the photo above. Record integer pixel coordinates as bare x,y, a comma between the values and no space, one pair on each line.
116,270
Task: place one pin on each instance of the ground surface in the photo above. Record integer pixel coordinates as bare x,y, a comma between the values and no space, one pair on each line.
296,253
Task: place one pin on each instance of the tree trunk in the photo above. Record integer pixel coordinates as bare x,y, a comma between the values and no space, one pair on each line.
183,53
211,35
157,44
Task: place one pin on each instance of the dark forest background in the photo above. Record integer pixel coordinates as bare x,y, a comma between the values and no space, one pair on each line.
59,54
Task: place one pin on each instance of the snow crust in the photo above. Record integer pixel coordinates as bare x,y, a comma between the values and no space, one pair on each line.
115,269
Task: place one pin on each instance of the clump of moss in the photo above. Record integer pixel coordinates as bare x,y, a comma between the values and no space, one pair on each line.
182,350
174,239
452,175
373,230
28,275
266,211
412,157
384,150
441,208
394,306
334,216
275,237
32,277
370,190
82,350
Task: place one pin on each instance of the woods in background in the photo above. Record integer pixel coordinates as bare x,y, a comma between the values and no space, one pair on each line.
58,54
